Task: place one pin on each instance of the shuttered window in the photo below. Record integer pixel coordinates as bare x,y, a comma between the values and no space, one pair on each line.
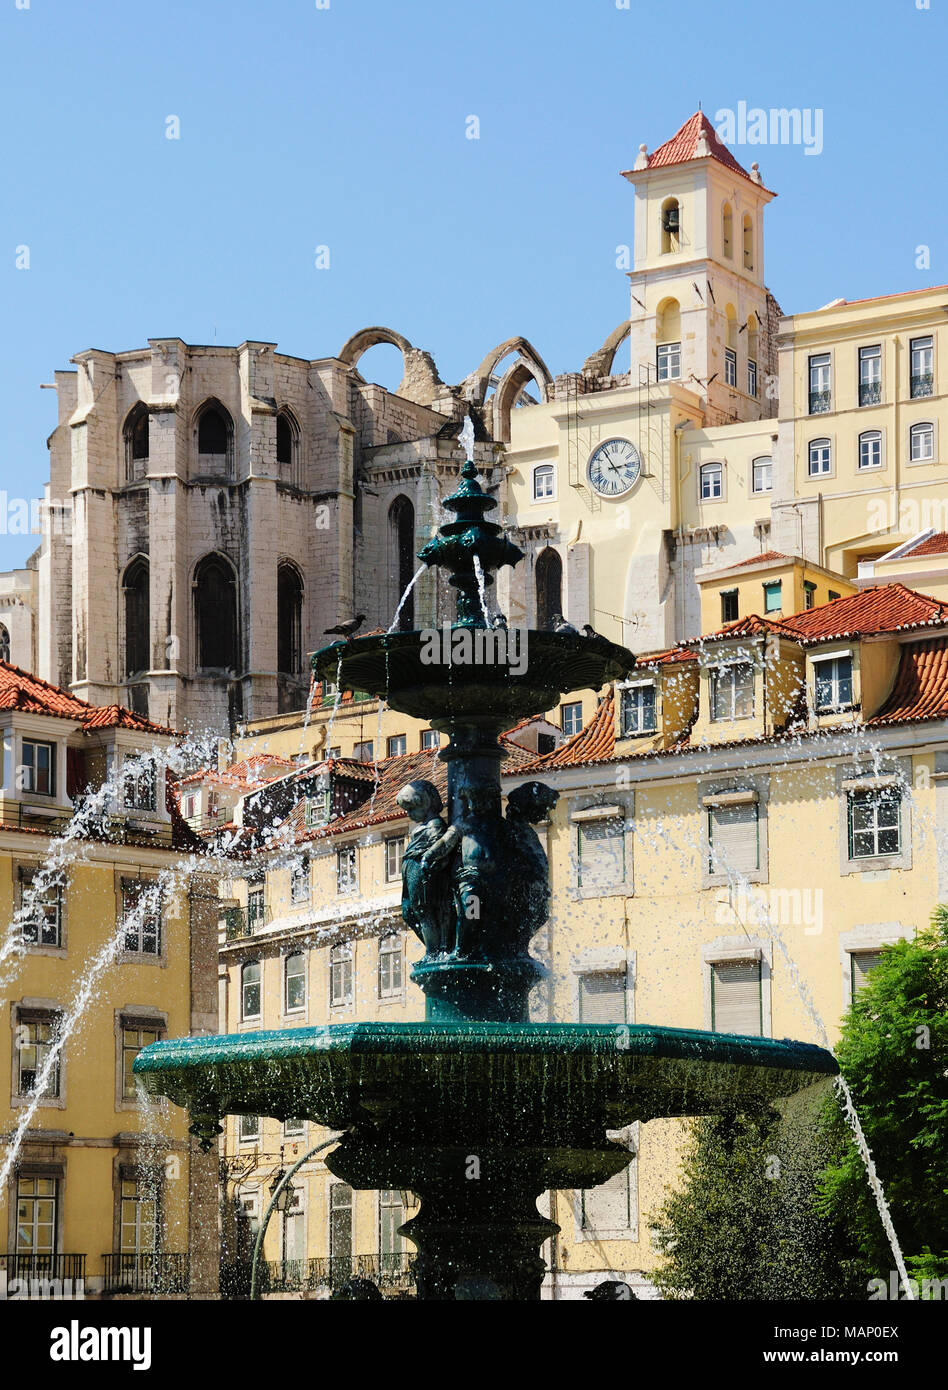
861,965
733,839
603,997
609,1206
601,854
736,998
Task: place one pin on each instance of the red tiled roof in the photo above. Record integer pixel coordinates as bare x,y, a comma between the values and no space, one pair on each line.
751,626
682,145
931,545
250,772
23,691
592,744
765,558
883,608
921,684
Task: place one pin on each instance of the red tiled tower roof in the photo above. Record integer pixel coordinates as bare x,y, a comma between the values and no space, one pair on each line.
23,691
683,145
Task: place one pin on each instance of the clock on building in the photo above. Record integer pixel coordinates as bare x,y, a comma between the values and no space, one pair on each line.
614,467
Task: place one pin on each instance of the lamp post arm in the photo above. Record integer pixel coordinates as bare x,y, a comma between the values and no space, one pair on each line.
258,1243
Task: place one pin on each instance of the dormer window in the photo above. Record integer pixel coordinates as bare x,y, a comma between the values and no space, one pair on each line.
139,786
833,683
317,808
38,767
638,710
732,691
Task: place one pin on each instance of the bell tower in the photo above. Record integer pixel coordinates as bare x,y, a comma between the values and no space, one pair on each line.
700,311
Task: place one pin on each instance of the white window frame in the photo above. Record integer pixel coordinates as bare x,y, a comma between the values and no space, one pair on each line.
875,439
762,461
819,370
825,446
752,386
924,343
347,882
835,657
393,952
545,473
717,671
921,429
297,975
394,847
341,975
571,705
668,362
706,471
634,688
870,353
730,367
246,1017
402,740
300,886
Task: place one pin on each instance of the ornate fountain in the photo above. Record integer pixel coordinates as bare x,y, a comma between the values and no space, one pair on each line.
476,1110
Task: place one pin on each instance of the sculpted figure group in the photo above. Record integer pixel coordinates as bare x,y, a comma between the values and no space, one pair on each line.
478,888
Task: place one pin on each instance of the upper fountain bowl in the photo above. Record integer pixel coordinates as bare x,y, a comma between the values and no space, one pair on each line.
453,672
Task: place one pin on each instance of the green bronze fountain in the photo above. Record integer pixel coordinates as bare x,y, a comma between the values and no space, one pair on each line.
476,1110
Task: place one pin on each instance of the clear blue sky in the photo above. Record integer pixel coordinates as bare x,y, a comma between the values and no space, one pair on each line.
346,127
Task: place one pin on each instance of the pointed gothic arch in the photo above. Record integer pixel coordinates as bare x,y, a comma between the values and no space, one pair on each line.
549,587
289,619
216,613
402,560
136,592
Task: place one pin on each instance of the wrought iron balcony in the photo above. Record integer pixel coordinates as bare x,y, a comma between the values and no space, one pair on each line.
870,392
43,1266
922,384
241,921
388,1271
821,402
155,1273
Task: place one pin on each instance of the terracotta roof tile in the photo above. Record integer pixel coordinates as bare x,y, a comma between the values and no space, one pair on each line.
22,690
592,744
931,545
682,145
921,684
251,772
883,608
765,558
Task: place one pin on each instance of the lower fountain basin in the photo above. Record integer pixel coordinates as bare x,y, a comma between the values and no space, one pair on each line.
536,1083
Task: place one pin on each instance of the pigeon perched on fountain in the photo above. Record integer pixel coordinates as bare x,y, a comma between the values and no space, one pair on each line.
498,621
559,624
590,631
347,629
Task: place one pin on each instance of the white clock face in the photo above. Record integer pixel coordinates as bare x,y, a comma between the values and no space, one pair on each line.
614,467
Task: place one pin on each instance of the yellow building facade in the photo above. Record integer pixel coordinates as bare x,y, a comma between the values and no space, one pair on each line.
757,808
107,947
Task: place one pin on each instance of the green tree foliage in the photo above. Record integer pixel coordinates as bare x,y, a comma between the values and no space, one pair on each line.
894,1053
744,1224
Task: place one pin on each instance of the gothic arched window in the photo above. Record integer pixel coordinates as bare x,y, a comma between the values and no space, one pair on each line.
289,620
215,440
135,588
136,442
4,643
549,580
287,448
401,525
215,614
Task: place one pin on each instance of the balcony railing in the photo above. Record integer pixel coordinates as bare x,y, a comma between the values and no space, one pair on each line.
821,402
131,827
870,392
240,921
302,1276
922,384
146,1273
39,1266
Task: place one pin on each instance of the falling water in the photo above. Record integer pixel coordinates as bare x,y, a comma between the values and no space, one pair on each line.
481,588
404,598
764,919
149,901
